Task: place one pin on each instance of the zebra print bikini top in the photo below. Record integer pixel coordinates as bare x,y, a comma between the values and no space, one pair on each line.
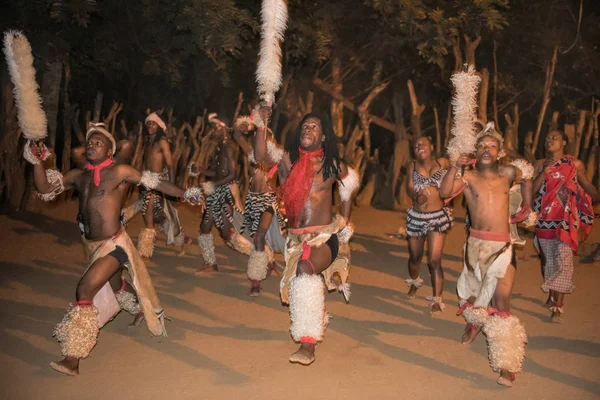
421,182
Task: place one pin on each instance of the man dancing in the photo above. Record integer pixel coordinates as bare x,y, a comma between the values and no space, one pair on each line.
223,198
317,242
489,267
156,208
102,187
563,201
262,219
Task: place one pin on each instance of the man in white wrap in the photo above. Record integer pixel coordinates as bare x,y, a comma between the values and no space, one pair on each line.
101,292
317,243
485,284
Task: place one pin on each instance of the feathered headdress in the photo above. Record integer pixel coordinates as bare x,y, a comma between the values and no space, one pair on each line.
464,104
268,72
32,118
490,130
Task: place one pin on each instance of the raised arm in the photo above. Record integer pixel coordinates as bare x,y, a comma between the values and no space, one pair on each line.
260,118
585,183
541,168
238,135
166,150
450,185
348,186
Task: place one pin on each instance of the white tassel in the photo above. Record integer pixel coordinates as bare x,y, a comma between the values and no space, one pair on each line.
464,104
307,307
526,168
32,118
54,178
146,242
349,185
150,180
258,265
344,289
506,343
268,72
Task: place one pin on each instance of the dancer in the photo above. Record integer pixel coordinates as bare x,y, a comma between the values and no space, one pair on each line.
427,219
262,219
101,293
489,269
563,201
223,198
156,208
317,242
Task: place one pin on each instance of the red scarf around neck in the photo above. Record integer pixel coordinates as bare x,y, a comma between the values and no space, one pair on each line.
98,168
295,190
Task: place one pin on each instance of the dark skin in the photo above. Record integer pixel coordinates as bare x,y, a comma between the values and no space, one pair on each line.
157,156
426,200
100,207
317,210
555,149
223,172
487,196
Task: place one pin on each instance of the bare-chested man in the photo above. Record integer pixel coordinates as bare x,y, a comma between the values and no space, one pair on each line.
223,197
262,218
155,208
489,267
563,201
317,242
102,186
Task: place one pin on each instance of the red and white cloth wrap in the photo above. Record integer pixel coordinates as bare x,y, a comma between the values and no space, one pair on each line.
487,255
295,190
105,300
298,246
563,207
155,118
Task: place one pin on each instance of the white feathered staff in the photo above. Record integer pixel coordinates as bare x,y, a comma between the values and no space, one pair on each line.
464,104
32,118
274,16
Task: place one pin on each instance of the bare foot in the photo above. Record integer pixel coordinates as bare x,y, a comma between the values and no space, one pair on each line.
137,320
435,309
470,334
305,354
412,292
205,267
556,317
254,290
187,241
506,378
68,366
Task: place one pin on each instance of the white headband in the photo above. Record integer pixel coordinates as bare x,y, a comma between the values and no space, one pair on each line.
101,129
155,118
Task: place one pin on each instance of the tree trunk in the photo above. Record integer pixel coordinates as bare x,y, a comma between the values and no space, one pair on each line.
458,59
337,106
438,133
50,92
511,135
495,95
579,132
483,97
447,128
471,46
66,155
592,126
546,100
97,108
417,110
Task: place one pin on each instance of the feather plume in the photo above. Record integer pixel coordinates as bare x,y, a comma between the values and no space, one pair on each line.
19,59
268,72
464,105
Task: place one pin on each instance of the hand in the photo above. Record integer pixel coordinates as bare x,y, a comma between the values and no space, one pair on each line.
548,164
464,159
420,197
265,112
521,215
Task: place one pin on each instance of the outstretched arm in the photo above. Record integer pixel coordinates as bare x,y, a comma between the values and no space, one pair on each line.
238,135
131,175
166,150
585,183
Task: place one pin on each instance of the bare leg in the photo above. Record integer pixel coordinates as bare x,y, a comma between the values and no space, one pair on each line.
320,259
435,248
559,299
93,280
415,251
501,302
149,215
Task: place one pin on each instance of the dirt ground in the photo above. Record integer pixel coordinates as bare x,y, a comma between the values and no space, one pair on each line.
223,344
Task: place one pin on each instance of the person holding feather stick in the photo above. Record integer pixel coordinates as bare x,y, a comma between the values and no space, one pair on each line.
428,219
263,220
223,197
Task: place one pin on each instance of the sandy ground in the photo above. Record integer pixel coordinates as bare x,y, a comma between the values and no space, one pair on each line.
224,345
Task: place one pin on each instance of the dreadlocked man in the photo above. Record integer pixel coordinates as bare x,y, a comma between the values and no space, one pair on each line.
317,242
155,207
223,197
489,263
262,218
101,292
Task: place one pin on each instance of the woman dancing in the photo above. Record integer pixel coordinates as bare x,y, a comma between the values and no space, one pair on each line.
427,219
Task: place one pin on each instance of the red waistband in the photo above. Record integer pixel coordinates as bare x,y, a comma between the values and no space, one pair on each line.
491,236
